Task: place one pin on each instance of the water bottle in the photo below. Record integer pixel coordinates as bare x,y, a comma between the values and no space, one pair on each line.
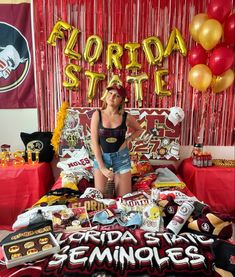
181,216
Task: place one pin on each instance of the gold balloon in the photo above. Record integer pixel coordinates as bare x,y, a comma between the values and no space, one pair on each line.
153,41
160,83
113,55
68,51
94,79
210,34
57,32
132,54
222,82
175,42
69,72
137,80
98,47
200,77
196,24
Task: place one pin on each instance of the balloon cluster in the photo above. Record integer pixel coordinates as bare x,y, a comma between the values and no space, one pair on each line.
212,58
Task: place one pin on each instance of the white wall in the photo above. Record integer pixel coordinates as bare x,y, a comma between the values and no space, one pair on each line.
14,121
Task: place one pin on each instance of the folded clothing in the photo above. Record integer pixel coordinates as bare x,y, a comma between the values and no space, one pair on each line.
166,175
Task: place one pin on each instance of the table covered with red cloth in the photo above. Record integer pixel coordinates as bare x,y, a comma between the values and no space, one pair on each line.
213,185
20,187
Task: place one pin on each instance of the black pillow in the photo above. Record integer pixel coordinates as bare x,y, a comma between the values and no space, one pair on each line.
39,141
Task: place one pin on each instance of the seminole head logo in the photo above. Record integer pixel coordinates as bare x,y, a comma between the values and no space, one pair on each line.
14,57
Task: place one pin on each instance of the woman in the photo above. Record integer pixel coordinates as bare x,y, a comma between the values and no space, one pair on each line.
109,142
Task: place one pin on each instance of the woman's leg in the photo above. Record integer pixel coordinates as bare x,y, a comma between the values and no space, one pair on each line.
123,183
100,180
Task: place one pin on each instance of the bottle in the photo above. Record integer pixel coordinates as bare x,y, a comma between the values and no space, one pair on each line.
209,160
109,188
181,216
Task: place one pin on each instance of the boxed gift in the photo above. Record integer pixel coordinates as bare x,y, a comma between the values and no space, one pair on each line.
29,249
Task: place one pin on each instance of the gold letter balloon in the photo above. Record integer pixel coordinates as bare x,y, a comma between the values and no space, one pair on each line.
132,53
137,80
98,47
69,48
57,32
94,79
69,72
153,41
113,55
175,42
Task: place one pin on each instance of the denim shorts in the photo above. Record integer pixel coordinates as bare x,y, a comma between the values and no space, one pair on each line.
119,161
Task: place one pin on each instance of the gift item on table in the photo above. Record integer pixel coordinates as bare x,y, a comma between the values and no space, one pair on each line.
203,159
166,178
29,249
152,219
169,208
136,202
129,219
144,182
23,219
180,218
178,196
79,160
209,223
92,193
71,219
69,180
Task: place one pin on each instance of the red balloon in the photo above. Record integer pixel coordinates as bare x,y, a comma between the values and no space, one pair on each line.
229,30
219,9
221,60
197,55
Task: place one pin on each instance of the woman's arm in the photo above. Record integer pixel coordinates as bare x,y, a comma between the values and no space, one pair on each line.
135,127
95,139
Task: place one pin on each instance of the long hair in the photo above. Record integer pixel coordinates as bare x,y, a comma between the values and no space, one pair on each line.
104,104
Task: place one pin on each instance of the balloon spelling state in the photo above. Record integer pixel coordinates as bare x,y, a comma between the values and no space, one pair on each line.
132,53
200,77
57,31
95,41
94,79
153,41
221,59
197,55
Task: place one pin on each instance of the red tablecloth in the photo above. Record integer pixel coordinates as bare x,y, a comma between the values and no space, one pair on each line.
213,185
20,187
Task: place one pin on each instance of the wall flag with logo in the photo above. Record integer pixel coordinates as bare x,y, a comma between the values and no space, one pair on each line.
17,89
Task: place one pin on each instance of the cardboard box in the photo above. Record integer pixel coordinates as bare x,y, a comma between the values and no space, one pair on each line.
29,249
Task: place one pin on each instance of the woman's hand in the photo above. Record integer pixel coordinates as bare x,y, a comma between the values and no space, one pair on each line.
107,173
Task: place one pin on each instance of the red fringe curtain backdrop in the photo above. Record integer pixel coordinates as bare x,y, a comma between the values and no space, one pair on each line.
122,22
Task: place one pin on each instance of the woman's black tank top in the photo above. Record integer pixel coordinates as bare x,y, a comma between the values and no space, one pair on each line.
111,139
